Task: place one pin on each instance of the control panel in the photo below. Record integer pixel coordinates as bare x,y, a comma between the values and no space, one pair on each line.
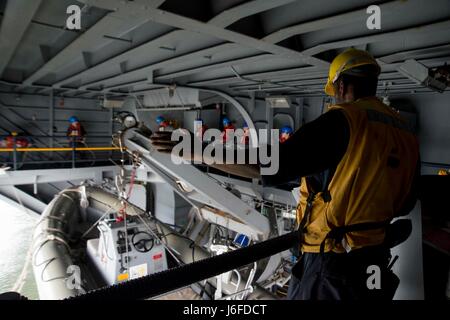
122,254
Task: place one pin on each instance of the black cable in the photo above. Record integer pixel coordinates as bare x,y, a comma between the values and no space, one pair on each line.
179,277
204,291
174,226
217,231
191,245
221,231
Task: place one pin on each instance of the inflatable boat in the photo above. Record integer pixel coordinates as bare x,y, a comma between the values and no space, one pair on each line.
87,238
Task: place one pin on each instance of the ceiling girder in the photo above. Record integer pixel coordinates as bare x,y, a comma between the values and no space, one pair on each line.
13,29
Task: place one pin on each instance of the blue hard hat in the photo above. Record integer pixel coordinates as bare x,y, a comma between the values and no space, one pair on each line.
286,129
226,121
159,119
245,124
73,119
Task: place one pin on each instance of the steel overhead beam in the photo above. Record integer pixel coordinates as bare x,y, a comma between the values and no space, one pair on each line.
311,86
143,8
430,63
385,36
12,178
230,16
381,91
49,88
389,8
144,71
217,81
181,73
207,67
13,28
185,23
236,81
118,5
132,84
425,51
397,78
117,23
231,36
222,20
272,86
115,61
403,85
310,71
303,73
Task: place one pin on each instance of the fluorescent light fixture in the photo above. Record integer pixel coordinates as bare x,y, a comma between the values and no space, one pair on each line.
110,103
278,101
420,74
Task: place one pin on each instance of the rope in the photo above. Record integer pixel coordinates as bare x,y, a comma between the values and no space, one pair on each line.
20,282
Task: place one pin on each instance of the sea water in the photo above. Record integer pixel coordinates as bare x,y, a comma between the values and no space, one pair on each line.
16,230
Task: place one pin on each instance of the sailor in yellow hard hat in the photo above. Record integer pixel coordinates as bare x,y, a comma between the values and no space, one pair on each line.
345,214
352,62
358,164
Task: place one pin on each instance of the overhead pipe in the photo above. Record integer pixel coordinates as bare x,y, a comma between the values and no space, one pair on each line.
253,141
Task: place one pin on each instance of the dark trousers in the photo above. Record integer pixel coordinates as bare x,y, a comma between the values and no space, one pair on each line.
342,276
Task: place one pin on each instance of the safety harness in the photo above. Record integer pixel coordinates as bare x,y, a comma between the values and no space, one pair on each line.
337,233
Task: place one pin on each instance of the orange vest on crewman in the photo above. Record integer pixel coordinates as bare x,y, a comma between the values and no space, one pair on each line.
370,183
227,131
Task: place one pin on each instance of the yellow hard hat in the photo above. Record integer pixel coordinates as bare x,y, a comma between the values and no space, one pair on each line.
347,60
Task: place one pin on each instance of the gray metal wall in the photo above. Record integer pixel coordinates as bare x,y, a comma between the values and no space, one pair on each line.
32,114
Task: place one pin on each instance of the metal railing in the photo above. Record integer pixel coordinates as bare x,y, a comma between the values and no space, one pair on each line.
73,154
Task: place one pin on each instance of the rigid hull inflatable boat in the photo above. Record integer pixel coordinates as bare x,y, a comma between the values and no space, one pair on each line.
83,242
